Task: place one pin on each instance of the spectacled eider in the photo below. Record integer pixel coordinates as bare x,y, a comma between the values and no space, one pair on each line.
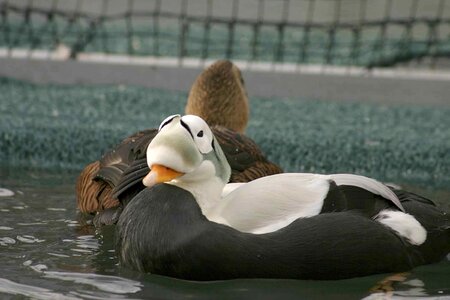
305,226
219,95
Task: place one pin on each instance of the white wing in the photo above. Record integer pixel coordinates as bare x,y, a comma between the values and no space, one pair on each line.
229,187
273,202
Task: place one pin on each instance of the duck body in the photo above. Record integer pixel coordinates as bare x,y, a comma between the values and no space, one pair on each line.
164,231
294,225
188,147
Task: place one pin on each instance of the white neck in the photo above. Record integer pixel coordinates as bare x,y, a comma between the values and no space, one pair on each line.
203,184
207,193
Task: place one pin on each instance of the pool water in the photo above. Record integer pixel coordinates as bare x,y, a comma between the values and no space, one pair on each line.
48,251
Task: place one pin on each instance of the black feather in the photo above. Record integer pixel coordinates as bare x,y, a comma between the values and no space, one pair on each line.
163,231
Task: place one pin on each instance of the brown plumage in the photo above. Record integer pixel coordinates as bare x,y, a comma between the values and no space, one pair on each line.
118,174
93,195
244,156
95,184
219,97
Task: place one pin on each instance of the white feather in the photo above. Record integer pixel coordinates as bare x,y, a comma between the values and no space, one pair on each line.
270,203
231,187
203,185
273,202
196,125
403,224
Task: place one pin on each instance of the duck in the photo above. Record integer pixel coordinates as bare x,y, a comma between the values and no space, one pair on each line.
190,223
218,95
227,105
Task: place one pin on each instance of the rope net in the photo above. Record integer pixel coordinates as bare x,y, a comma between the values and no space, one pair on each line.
330,32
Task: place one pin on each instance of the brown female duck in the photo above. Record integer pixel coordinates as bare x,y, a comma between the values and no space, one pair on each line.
218,95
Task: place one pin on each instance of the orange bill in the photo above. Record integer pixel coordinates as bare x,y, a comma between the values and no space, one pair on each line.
159,174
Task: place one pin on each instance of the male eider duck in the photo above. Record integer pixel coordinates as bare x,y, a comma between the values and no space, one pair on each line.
219,95
189,224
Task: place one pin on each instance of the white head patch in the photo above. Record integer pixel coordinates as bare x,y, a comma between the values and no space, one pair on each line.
167,121
200,132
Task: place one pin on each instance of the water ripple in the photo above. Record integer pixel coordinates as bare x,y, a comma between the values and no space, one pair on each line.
58,254
99,295
56,209
32,224
29,239
39,267
5,241
106,283
20,207
87,242
14,288
81,250
72,223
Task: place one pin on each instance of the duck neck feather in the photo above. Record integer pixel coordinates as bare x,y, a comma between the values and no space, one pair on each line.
207,193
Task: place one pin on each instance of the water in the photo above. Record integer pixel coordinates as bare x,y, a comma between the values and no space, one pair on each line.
49,252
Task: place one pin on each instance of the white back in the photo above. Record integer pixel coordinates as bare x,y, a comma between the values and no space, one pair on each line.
270,203
273,202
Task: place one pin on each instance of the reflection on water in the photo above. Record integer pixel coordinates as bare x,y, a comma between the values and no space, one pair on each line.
111,284
49,252
14,288
6,193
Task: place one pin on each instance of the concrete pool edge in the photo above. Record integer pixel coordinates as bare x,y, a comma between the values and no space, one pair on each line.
391,88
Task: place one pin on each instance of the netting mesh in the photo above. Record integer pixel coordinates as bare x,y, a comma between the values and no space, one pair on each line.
333,32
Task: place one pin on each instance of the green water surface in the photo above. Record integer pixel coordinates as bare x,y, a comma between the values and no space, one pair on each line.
48,251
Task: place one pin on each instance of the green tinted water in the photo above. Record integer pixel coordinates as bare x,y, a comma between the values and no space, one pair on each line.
49,252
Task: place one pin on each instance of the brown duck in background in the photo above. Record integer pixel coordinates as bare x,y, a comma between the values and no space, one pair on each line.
218,95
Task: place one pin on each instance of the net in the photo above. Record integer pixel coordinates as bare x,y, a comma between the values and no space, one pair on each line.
331,32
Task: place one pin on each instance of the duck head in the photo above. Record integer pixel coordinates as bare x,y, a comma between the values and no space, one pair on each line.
185,153
218,96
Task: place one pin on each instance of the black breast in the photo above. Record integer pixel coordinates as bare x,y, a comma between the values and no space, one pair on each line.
163,231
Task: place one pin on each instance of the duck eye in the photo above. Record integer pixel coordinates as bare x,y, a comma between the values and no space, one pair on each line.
200,133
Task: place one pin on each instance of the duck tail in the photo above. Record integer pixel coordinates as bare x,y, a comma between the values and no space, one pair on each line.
368,184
